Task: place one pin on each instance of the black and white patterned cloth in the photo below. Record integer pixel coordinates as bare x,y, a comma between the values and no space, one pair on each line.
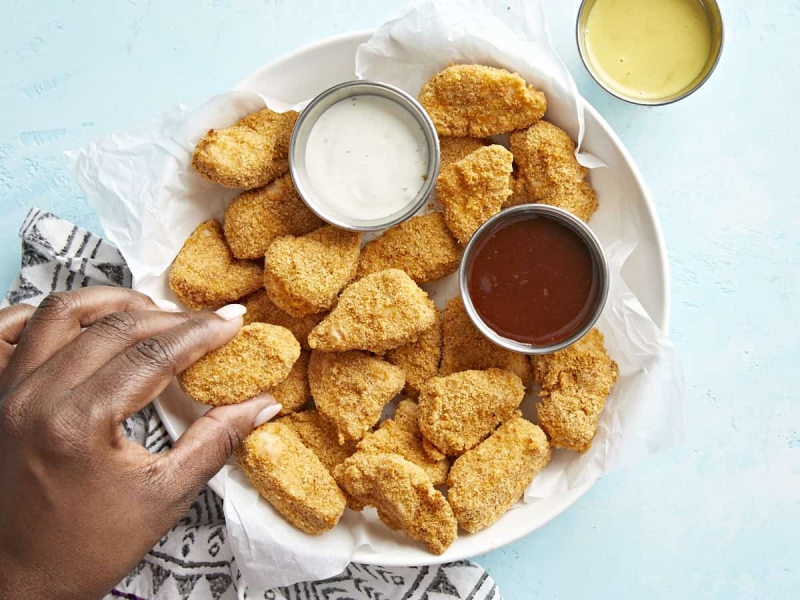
193,560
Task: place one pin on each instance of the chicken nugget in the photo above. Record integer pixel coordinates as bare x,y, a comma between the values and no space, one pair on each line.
575,382
464,347
393,438
519,193
249,154
291,478
293,392
419,360
552,175
474,189
260,309
321,436
378,312
406,417
453,149
255,218
303,275
205,273
478,101
423,247
487,480
457,412
257,359
402,494
351,388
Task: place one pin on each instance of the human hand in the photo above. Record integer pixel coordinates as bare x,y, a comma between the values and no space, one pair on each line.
80,504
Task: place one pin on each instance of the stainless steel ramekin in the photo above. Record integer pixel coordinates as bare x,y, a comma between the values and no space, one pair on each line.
717,41
565,218
306,121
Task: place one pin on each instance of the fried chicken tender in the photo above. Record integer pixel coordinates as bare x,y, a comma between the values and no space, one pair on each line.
406,417
260,309
321,436
423,247
291,478
257,359
251,153
255,218
487,480
378,312
402,494
465,348
575,384
205,273
350,389
474,189
459,411
419,360
519,193
393,438
478,101
303,275
293,392
552,175
453,149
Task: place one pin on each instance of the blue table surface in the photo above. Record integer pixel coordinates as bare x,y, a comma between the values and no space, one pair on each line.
717,517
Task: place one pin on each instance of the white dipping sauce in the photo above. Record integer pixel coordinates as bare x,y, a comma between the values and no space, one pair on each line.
366,158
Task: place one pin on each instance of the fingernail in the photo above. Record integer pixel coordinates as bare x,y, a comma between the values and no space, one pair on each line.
266,415
231,312
166,305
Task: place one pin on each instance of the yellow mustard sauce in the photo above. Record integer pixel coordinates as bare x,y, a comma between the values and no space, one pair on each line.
647,49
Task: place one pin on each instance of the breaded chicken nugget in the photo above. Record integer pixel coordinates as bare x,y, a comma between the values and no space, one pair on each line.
291,478
457,412
519,193
392,438
350,389
474,189
205,273
260,309
464,347
406,416
453,149
478,101
293,392
258,358
321,436
303,275
251,153
419,360
255,218
378,312
552,175
402,494
423,247
575,383
487,480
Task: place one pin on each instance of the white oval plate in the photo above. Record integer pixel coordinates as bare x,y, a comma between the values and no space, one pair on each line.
311,69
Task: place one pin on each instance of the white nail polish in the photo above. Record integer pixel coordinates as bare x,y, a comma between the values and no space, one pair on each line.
231,312
166,305
266,414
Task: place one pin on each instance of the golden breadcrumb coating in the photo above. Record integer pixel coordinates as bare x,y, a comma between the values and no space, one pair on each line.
419,360
464,347
552,175
489,479
258,358
303,275
453,149
459,411
251,153
575,383
423,247
403,496
291,478
519,193
257,217
378,312
406,416
321,436
392,438
350,389
478,101
474,189
260,309
293,392
205,273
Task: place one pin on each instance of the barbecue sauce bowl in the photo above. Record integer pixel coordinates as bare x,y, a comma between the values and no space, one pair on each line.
534,279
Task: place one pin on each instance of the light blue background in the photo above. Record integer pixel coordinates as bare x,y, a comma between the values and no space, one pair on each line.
718,517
